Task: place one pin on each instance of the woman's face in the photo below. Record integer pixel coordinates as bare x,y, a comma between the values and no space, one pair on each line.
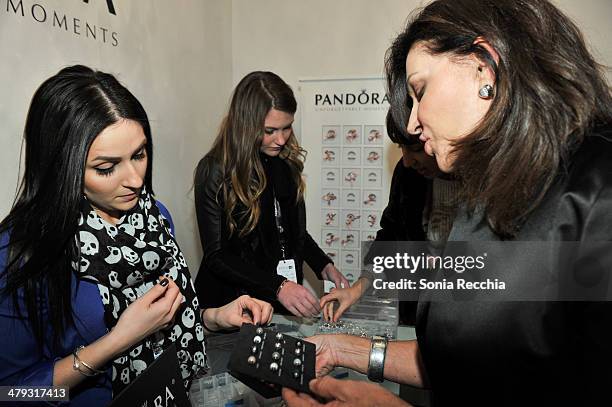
277,130
446,105
414,156
115,169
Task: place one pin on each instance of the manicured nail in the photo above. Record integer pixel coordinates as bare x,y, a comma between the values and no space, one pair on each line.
164,282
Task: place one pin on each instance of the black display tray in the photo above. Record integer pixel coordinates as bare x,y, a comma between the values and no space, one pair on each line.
258,375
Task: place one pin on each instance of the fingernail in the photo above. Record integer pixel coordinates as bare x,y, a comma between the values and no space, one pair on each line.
164,282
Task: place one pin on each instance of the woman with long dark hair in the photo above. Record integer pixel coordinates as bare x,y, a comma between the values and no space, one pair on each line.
84,246
506,95
250,206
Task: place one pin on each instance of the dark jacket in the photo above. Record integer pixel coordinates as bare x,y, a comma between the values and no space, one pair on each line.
234,265
530,353
402,220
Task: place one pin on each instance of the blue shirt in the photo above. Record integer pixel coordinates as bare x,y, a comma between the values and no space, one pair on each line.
21,361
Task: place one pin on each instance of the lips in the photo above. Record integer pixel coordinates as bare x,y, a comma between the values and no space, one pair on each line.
128,197
427,146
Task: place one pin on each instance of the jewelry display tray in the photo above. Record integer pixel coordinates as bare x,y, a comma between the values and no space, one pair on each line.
258,375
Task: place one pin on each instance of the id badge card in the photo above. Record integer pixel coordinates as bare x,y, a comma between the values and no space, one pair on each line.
286,268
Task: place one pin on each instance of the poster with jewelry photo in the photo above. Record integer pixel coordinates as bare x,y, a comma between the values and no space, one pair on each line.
349,164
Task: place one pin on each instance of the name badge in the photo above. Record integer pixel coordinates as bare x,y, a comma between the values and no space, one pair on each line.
286,268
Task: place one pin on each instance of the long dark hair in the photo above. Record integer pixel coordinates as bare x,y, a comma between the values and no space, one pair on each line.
239,139
66,114
549,93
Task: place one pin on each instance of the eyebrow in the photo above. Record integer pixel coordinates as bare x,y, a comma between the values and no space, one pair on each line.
278,128
118,159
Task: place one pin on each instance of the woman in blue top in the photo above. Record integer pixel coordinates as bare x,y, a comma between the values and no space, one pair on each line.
84,245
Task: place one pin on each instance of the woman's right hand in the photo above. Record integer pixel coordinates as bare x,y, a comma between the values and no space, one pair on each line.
344,297
153,311
299,300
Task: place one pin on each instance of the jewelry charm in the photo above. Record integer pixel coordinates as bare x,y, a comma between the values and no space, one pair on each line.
298,351
486,92
251,360
276,356
279,336
296,375
298,344
257,339
259,331
274,366
254,349
278,345
297,362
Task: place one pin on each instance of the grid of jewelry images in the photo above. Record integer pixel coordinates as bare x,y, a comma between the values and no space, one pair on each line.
351,192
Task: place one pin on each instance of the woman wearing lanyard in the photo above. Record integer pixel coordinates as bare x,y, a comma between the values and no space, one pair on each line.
250,207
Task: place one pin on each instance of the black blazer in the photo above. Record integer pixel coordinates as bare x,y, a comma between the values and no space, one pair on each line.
402,220
234,265
530,353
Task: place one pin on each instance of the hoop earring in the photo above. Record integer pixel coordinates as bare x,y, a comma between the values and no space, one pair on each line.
486,92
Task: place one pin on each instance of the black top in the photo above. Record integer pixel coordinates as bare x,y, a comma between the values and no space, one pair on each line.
530,353
402,220
234,265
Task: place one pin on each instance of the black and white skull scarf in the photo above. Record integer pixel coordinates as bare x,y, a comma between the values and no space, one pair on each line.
125,261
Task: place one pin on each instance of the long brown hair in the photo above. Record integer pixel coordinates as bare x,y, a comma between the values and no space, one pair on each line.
239,140
549,93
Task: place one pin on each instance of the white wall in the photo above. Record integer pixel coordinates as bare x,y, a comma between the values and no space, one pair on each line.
349,37
175,58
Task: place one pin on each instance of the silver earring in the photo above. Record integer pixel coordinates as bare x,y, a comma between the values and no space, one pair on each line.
486,92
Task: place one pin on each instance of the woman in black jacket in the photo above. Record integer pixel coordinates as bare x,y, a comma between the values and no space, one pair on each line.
250,207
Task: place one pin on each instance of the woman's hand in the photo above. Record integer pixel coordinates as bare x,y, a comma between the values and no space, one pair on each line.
331,273
298,300
345,297
148,314
243,309
326,353
343,393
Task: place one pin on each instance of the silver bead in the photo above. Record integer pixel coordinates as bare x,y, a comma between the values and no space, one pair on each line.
257,339
296,375
252,360
278,345
276,356
298,344
298,351
274,366
279,336
259,331
297,362
254,349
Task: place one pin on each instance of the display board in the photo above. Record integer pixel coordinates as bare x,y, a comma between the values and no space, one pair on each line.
349,164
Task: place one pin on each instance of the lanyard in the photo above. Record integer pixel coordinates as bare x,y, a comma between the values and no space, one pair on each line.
281,231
